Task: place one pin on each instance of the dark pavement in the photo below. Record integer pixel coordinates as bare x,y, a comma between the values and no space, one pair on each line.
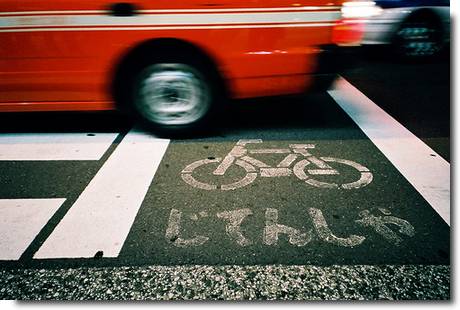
384,235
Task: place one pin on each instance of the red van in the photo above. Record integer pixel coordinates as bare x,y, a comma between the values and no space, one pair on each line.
171,62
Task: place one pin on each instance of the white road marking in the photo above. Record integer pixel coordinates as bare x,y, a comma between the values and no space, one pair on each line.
270,151
234,219
287,161
237,156
428,172
320,184
172,233
100,219
318,162
20,222
379,224
365,178
199,163
254,162
325,233
299,169
323,172
273,229
189,179
302,146
186,175
54,146
248,179
275,172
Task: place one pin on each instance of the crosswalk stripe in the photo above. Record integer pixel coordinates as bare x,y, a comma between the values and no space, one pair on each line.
54,146
101,217
20,221
428,172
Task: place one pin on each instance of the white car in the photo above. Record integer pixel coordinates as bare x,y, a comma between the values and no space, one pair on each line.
415,28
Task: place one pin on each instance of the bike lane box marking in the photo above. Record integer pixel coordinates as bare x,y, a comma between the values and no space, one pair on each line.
101,217
20,221
428,172
54,146
214,239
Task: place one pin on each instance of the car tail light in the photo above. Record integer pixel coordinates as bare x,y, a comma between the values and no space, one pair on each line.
359,9
350,28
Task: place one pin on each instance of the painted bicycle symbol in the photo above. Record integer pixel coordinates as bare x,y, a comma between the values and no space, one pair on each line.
306,169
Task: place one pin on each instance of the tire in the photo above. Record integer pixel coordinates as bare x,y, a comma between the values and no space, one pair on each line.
173,96
418,39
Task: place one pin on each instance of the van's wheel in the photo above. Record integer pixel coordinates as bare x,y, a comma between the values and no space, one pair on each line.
418,39
173,97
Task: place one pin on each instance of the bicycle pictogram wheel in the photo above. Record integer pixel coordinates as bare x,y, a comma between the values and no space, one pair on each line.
300,172
188,178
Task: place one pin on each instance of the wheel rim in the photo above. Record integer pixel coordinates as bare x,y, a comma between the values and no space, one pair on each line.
172,94
419,40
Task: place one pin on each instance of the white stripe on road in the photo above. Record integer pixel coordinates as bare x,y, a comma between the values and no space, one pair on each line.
428,172
101,218
20,221
54,146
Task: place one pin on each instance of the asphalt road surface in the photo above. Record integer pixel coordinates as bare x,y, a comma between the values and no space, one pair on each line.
339,195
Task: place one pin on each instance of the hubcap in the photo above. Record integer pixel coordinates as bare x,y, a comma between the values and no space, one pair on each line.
419,40
172,94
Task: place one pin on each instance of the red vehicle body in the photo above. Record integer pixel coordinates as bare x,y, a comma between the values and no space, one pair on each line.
67,55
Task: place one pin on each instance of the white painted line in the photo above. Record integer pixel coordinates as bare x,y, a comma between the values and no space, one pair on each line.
428,172
20,222
323,171
54,146
100,219
232,228
270,151
254,162
287,161
275,172
173,232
